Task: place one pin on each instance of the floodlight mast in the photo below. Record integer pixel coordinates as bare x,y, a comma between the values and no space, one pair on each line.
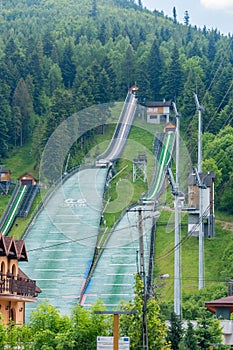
177,286
200,109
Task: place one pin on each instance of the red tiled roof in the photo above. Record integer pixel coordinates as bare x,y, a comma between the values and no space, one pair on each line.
21,250
26,174
17,247
223,302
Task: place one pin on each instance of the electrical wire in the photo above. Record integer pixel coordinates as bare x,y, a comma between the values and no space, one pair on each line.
208,89
184,239
81,239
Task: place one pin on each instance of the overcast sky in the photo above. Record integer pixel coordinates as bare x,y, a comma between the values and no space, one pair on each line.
212,13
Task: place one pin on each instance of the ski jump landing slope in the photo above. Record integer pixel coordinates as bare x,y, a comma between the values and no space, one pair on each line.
112,279
62,240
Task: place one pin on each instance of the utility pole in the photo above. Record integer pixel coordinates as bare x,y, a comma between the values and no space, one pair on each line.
142,273
177,286
200,109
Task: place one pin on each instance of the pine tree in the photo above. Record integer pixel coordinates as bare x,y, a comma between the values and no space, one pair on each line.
129,66
103,36
68,67
190,341
55,79
189,37
175,331
94,9
173,80
186,18
38,76
208,331
174,15
155,71
48,43
3,138
23,109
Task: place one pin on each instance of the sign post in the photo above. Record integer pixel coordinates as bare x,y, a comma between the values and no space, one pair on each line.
106,343
115,327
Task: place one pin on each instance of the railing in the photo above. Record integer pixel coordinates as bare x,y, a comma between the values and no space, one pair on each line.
10,284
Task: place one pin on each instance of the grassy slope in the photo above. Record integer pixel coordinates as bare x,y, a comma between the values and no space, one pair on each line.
20,161
164,262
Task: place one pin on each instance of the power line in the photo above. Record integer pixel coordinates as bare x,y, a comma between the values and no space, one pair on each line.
84,238
209,88
184,239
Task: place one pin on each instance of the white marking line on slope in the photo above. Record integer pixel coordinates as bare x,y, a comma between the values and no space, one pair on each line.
111,294
119,274
15,208
54,259
122,264
117,284
162,165
61,270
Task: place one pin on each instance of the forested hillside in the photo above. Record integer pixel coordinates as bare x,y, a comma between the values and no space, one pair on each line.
58,57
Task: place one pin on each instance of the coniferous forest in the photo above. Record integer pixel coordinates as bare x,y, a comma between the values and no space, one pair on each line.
58,57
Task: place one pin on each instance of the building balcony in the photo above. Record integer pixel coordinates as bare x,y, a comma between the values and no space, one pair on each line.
16,287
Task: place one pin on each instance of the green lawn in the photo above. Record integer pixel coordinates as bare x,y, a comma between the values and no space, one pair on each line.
20,161
164,258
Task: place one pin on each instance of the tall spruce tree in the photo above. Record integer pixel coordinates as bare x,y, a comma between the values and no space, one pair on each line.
155,71
3,138
22,109
190,340
208,331
186,18
174,79
175,331
68,67
174,15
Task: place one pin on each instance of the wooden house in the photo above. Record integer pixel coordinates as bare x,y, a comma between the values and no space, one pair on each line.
5,180
223,310
27,179
5,176
15,287
158,112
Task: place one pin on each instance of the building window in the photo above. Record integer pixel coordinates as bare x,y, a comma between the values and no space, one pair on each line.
3,268
153,116
13,270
